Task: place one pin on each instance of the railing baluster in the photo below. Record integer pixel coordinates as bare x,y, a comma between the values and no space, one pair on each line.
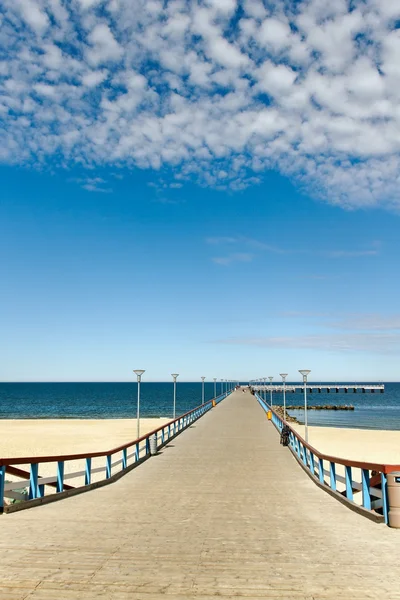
88,471
332,476
137,452
60,476
124,458
108,466
2,482
33,482
385,498
321,470
349,483
312,466
366,496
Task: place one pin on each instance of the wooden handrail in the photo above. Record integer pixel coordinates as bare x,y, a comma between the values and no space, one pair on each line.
63,457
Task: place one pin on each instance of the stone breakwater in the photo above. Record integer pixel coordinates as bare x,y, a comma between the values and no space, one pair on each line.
326,407
290,419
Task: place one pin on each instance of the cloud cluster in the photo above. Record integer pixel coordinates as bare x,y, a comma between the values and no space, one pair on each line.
219,90
242,244
371,333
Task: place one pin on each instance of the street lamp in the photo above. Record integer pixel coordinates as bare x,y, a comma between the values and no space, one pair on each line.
270,389
215,387
202,390
174,376
265,389
139,373
305,372
284,375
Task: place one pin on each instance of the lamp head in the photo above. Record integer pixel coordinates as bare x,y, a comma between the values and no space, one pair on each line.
270,378
202,378
174,375
304,372
283,375
139,373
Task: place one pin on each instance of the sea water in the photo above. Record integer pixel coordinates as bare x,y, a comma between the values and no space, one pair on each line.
118,400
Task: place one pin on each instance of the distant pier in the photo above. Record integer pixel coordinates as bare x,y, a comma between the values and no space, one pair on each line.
344,388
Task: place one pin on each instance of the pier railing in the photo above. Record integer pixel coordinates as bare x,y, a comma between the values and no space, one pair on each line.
360,485
87,470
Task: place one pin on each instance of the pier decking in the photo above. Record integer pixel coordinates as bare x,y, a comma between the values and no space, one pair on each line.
223,510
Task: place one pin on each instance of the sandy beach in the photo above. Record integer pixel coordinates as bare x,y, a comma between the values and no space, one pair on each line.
41,437
48,437
367,445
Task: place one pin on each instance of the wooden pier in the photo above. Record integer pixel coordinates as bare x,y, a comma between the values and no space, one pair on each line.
221,511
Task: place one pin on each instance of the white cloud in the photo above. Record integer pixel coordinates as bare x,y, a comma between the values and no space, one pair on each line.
217,91
105,47
373,343
235,257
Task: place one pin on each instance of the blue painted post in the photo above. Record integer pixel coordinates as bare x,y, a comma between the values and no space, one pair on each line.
321,471
108,466
332,477
147,446
33,482
2,482
298,448
162,436
304,454
385,506
169,431
40,491
124,458
88,471
60,476
349,484
137,452
366,496
312,466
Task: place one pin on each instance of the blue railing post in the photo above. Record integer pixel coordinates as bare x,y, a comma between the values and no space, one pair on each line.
2,483
147,446
108,466
366,496
124,458
88,471
137,452
321,470
349,483
33,482
385,506
60,476
332,476
312,466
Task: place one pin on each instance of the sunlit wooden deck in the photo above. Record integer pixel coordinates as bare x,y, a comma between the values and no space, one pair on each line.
224,510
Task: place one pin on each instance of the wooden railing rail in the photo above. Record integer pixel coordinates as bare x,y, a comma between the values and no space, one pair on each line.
31,489
362,485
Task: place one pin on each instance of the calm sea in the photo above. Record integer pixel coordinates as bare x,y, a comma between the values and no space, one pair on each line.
118,400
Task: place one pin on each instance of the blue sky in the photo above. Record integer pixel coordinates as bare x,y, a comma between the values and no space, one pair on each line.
207,194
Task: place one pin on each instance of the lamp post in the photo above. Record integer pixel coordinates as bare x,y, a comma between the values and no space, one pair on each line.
265,389
305,372
139,373
270,389
202,390
175,376
284,375
215,387
222,386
